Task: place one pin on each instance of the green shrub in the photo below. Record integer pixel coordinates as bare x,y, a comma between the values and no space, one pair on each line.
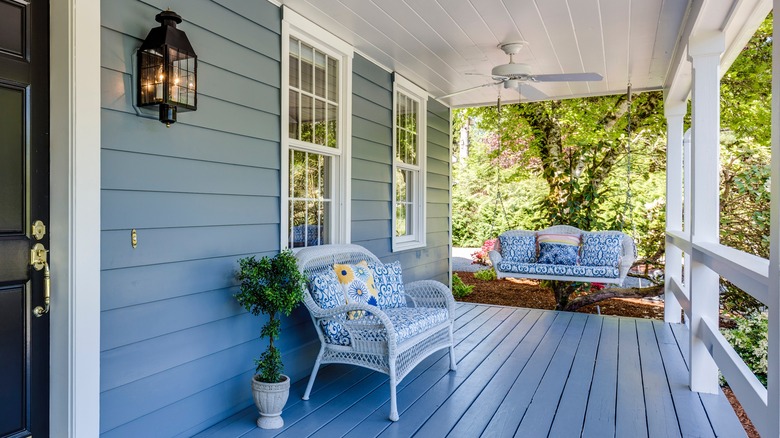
485,274
749,339
459,288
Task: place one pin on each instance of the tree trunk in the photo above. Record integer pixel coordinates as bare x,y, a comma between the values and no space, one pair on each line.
606,294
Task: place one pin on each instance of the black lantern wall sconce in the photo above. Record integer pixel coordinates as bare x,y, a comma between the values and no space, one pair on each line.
167,69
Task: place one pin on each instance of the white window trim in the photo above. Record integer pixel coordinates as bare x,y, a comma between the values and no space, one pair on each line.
293,24
418,239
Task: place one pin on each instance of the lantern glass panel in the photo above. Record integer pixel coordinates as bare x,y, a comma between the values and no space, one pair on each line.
181,78
152,77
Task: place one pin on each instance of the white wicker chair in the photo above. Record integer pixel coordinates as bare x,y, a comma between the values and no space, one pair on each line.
373,338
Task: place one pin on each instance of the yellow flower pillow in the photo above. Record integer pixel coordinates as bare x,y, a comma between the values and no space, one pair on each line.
358,284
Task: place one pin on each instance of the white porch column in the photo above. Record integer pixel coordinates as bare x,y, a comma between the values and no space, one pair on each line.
704,50
75,218
687,213
674,184
771,418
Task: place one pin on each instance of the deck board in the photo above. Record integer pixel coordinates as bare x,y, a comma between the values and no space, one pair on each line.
574,399
508,416
600,413
631,417
520,372
659,406
540,413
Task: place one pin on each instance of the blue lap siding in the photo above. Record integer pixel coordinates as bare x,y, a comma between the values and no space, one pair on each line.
176,350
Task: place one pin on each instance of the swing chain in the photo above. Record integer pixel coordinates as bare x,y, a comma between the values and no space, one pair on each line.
627,210
499,197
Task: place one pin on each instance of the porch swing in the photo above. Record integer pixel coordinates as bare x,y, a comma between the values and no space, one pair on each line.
563,252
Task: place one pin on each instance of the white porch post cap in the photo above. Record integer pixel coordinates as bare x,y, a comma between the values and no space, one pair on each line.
706,43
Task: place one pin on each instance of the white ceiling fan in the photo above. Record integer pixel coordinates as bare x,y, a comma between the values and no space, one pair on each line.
517,76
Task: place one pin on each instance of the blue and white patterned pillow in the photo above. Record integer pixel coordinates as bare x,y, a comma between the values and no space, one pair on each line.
389,284
558,254
601,249
520,249
326,290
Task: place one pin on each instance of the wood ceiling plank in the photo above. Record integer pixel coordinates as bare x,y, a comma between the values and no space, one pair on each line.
590,37
669,23
644,22
616,24
558,22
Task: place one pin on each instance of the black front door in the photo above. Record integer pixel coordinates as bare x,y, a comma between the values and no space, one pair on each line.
24,199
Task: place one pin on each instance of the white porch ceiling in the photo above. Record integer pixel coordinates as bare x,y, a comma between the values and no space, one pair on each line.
436,42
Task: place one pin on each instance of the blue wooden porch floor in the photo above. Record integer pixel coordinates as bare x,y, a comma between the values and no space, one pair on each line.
521,372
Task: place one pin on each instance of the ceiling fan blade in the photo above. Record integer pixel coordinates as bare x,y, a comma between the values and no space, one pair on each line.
567,77
495,77
530,93
489,84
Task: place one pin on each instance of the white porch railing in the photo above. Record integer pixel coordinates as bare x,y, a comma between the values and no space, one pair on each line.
695,260
694,257
749,273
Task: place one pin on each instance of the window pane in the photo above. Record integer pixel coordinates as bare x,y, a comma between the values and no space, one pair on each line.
400,220
319,74
324,211
313,176
295,73
298,174
324,177
297,224
333,80
309,203
400,185
294,125
307,118
412,149
307,68
332,126
319,122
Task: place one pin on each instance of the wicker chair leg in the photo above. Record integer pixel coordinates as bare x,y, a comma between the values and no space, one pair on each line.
314,373
393,383
453,362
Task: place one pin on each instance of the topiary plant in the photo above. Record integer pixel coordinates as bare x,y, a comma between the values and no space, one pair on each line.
270,286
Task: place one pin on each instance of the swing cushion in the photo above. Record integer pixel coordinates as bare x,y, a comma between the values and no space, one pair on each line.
558,249
518,248
601,249
559,270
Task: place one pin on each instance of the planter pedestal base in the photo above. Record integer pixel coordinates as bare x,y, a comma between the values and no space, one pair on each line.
270,399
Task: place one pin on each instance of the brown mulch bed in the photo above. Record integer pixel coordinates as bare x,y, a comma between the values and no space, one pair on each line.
527,293
518,292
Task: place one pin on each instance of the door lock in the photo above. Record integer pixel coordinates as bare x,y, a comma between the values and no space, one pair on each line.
38,260
38,230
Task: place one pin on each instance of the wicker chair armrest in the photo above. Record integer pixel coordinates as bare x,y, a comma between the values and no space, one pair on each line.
344,309
431,293
495,257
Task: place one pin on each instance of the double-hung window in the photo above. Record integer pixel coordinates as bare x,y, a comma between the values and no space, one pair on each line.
409,119
315,138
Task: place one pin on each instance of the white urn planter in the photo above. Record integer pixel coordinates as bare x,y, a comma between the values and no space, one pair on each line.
270,399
